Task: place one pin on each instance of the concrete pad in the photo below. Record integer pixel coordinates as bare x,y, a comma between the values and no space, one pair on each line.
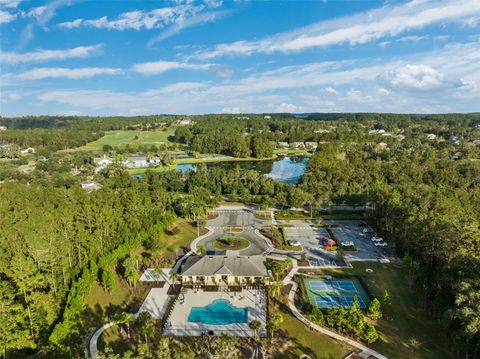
156,302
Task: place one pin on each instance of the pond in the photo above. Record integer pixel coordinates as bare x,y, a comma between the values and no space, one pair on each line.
283,169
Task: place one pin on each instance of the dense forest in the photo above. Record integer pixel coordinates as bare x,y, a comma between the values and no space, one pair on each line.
56,239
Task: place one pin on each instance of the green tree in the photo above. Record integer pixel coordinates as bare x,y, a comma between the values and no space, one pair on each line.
370,334
254,325
375,309
108,280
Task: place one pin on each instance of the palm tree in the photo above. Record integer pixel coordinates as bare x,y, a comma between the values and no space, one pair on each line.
255,325
173,276
124,318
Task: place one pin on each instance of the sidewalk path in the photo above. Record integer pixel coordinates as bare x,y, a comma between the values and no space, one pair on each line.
365,351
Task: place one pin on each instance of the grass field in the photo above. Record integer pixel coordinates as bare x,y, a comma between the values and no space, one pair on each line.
121,138
301,340
406,330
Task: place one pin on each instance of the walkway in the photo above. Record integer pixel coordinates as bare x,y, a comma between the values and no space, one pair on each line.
365,351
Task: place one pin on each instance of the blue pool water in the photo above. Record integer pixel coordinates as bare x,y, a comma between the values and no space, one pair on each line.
219,312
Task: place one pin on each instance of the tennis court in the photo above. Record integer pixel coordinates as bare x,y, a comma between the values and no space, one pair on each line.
333,293
335,301
333,286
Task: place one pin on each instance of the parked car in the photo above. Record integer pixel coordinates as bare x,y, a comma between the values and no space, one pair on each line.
376,239
294,243
347,244
365,230
381,244
362,224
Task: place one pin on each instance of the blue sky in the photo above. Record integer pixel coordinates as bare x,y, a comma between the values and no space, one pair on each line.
114,57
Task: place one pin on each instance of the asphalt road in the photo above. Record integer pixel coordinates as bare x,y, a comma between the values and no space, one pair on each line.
236,218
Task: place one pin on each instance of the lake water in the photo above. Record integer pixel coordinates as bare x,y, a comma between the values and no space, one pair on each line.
282,169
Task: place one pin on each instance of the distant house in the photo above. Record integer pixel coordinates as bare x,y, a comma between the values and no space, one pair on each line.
455,139
28,150
3,128
90,186
102,162
298,145
431,136
382,145
376,132
267,117
311,145
282,144
223,270
185,122
141,162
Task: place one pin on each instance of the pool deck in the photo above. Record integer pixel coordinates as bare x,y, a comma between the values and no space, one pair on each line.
253,299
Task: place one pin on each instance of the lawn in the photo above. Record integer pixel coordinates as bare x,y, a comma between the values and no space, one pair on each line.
304,341
101,304
121,138
406,330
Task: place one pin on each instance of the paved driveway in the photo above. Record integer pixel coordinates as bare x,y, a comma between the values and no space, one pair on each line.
236,217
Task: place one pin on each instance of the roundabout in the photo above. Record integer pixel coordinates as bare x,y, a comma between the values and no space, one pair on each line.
231,244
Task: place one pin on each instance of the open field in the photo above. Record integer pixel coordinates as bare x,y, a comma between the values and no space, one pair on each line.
305,341
406,330
121,138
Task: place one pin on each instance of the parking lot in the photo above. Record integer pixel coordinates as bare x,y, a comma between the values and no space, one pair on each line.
351,231
345,231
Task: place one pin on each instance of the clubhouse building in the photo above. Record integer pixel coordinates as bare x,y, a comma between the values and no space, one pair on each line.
223,270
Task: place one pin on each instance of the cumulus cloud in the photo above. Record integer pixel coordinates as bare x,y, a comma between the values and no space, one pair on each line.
330,90
61,72
386,21
49,55
420,77
6,17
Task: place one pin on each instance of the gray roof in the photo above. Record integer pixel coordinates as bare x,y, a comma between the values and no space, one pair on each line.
243,266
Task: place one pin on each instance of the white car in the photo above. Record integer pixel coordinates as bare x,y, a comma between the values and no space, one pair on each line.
377,239
294,243
347,244
365,230
381,244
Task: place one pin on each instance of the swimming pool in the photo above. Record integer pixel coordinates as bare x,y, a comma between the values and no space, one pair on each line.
219,312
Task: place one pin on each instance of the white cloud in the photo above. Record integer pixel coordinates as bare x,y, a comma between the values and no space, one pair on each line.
181,15
49,55
453,84
61,72
421,77
71,24
331,90
413,38
9,3
158,67
387,21
6,17
181,25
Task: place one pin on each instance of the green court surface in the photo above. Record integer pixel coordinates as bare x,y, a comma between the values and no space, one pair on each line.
333,293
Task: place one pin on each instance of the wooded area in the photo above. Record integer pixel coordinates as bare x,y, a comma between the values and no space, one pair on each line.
56,239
